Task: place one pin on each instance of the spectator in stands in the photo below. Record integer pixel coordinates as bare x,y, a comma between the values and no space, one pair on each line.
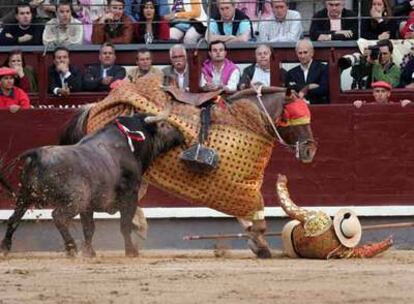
232,26
99,77
144,66
151,27
11,97
218,72
64,78
407,27
88,11
114,26
407,71
45,10
22,33
381,92
382,67
7,11
177,73
132,8
25,78
64,29
257,73
286,26
310,77
188,20
381,25
334,23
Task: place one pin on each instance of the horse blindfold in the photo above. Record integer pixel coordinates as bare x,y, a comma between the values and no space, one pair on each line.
295,113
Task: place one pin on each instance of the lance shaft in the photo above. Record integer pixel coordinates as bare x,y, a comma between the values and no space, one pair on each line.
245,235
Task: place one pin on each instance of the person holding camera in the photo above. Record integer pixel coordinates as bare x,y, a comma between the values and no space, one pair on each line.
377,65
381,93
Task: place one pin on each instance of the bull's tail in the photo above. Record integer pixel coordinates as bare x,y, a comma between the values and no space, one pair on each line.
7,169
76,127
3,180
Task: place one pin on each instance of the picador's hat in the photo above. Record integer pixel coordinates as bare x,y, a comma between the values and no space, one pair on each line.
7,72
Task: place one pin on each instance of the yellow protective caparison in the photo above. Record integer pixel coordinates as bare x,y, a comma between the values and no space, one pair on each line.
238,133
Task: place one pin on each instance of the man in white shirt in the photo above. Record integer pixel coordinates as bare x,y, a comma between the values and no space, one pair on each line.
177,72
258,73
285,27
218,72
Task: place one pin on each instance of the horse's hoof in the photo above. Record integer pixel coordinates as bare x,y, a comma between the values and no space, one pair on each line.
264,253
260,252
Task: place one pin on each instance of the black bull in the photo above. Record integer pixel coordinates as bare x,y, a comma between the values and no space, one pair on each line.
100,173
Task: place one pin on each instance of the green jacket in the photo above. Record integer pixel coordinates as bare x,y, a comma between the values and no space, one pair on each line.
390,74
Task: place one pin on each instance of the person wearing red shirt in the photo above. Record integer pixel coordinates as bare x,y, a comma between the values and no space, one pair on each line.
381,91
11,97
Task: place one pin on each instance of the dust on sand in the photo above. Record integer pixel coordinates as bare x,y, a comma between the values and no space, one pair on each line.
199,277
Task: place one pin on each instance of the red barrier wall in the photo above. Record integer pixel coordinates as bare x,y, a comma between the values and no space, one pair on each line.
365,156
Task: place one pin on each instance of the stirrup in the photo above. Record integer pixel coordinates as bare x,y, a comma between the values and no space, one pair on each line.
199,158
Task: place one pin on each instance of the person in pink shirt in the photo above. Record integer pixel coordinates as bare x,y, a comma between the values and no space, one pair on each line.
11,97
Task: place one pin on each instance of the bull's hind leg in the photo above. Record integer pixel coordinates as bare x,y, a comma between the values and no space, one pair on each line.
62,218
12,224
88,226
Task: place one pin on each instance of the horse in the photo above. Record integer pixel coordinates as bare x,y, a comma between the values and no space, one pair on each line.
102,173
243,132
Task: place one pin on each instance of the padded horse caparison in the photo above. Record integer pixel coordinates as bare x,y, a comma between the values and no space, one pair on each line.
196,99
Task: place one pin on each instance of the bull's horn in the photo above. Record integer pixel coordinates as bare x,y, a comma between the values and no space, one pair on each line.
314,223
160,117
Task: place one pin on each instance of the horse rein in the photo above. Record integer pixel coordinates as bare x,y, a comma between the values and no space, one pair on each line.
297,145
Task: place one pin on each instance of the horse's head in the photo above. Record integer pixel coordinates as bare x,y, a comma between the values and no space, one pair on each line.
293,125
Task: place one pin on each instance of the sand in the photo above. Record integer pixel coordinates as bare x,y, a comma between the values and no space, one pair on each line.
165,276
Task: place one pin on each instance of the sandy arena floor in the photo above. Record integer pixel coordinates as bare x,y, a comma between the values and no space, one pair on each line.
199,277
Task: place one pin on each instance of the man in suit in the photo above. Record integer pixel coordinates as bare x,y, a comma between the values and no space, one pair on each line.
64,77
98,77
310,77
177,73
334,23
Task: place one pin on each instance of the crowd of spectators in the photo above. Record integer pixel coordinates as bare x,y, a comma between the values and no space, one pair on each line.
71,22
61,24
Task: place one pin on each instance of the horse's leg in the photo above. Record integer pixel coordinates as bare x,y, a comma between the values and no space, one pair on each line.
88,226
12,224
256,229
257,241
127,211
61,218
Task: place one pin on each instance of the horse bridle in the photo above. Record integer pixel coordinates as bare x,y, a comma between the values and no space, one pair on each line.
295,147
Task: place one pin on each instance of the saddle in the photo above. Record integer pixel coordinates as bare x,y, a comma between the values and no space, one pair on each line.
195,99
